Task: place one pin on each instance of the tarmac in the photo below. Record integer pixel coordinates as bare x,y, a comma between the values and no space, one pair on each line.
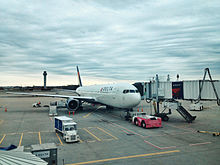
106,138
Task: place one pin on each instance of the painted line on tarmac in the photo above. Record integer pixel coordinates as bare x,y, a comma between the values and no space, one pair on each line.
127,129
86,127
184,127
91,141
117,125
39,137
152,144
15,133
125,132
161,148
108,139
2,138
90,127
171,134
91,112
126,157
87,115
22,134
1,121
92,134
59,139
197,144
80,141
108,133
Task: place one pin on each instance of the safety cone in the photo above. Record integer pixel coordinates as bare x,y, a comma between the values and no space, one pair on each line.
138,109
73,113
5,109
69,113
142,110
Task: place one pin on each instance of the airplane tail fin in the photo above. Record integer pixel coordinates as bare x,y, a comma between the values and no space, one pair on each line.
79,79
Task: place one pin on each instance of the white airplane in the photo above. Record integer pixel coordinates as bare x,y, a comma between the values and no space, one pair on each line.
122,95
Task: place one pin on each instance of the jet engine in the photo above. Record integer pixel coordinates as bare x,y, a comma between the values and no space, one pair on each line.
73,104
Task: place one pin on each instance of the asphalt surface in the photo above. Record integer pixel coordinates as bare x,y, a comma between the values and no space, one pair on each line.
106,138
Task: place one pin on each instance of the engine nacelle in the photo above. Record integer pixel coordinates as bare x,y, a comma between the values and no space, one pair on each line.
73,104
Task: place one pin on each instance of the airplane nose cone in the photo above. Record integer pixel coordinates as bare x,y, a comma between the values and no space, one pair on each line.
136,100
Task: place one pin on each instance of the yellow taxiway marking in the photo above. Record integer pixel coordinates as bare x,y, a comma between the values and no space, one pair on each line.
87,115
1,121
125,157
39,137
92,134
2,138
22,134
91,112
91,141
107,133
59,139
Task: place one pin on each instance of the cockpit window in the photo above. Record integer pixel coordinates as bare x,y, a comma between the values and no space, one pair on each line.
125,91
130,91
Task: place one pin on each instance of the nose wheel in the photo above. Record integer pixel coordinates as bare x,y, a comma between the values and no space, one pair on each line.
128,114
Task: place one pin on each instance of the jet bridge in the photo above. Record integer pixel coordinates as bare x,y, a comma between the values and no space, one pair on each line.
193,90
182,90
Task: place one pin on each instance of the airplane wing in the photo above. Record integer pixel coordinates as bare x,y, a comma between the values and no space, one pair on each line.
82,98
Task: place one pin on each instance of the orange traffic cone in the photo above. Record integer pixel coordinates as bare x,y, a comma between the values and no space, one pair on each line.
5,109
142,110
69,113
138,109
73,113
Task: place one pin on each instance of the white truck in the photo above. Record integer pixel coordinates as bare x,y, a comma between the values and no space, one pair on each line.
67,127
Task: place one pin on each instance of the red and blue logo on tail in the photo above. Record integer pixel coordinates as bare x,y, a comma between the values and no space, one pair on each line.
79,79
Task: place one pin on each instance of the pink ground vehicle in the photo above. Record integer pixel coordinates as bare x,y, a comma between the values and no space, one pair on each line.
147,121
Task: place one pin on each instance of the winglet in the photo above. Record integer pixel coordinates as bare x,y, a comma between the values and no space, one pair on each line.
79,79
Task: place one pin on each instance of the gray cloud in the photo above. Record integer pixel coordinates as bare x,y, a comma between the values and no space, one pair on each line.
117,40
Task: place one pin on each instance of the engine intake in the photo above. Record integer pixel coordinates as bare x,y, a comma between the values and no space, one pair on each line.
73,104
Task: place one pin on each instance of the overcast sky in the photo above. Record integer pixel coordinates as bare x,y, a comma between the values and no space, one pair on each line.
110,40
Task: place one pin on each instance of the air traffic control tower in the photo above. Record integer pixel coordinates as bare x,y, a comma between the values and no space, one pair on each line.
45,79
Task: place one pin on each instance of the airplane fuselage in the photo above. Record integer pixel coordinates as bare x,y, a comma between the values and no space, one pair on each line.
116,95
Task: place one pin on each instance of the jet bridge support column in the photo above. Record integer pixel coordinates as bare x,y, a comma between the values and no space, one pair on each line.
163,115
157,97
213,86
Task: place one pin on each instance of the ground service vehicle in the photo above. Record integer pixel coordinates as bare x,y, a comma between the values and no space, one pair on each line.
147,121
67,127
38,104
